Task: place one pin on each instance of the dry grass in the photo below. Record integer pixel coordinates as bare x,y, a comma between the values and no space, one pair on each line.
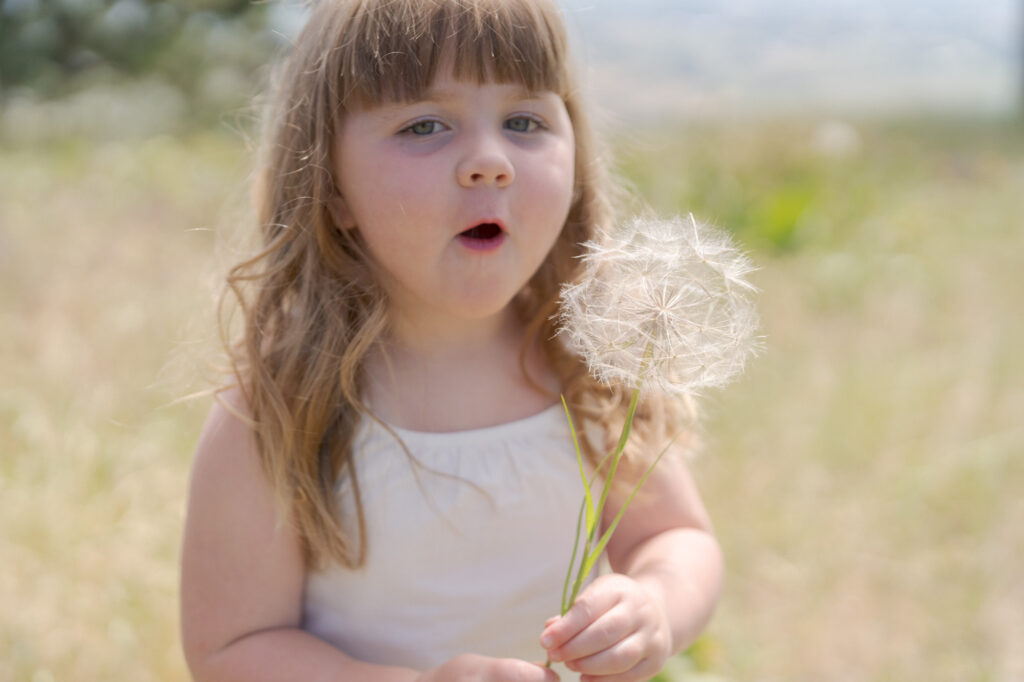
104,253
865,477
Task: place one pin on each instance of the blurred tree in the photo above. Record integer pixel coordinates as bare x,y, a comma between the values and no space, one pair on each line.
54,47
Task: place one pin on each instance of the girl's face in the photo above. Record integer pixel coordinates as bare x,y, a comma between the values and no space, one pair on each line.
459,196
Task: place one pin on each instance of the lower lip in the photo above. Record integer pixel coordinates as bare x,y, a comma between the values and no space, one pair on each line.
482,245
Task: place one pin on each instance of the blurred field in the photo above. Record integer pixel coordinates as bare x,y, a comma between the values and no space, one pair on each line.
866,476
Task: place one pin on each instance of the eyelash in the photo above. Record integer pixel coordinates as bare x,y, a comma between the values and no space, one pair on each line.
534,123
410,129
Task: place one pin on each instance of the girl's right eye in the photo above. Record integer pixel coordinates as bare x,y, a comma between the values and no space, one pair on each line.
422,128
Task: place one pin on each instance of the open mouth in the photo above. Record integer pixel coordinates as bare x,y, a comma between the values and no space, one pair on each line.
483,231
482,237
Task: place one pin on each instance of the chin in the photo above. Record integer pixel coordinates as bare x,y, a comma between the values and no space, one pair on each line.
481,308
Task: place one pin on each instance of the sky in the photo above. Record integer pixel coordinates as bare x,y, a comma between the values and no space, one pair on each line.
661,58
658,59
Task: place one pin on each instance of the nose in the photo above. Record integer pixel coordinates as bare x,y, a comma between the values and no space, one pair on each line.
485,163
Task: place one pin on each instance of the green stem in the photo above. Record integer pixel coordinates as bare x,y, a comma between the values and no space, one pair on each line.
592,547
572,561
589,554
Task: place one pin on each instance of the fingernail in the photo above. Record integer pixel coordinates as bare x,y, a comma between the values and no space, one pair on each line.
546,641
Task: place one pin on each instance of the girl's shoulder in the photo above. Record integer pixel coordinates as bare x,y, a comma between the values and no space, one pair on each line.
226,433
225,457
232,515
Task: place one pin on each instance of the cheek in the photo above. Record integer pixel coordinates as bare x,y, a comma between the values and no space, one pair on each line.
383,203
557,182
375,180
565,163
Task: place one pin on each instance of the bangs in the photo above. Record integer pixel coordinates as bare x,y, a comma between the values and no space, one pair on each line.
391,51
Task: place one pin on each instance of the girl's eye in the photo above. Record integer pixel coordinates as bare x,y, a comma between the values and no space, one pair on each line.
522,124
423,128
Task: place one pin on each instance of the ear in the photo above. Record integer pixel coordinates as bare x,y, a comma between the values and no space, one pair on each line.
340,213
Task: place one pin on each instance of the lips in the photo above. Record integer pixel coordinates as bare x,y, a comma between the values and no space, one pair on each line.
484,236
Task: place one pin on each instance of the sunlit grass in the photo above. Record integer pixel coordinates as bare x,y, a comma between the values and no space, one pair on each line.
865,476
106,253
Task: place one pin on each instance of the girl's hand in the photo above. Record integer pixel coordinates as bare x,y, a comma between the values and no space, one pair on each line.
473,668
617,631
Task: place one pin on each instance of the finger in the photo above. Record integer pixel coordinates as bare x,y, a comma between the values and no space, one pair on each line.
590,605
645,670
514,670
548,675
627,657
611,627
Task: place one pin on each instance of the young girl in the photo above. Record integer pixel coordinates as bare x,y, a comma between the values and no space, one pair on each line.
388,490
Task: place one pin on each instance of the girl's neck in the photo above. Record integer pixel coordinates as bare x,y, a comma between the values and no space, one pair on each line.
445,376
431,338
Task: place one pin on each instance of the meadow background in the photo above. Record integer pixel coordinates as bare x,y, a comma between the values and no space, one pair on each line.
865,476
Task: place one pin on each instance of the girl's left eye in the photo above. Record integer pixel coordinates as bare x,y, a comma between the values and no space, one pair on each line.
522,124
423,128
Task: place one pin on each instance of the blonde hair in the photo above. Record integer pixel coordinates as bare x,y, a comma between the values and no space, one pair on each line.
311,306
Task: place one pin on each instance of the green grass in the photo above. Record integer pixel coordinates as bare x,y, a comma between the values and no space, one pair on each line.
865,476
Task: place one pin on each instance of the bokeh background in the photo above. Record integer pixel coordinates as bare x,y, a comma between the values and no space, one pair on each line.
866,476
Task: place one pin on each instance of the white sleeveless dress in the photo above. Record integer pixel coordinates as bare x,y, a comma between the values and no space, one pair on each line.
467,552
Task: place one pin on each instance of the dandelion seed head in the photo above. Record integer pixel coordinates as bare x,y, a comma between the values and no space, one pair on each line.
662,305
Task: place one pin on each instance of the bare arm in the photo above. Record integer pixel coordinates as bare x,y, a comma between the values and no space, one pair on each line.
666,543
242,573
242,579
668,572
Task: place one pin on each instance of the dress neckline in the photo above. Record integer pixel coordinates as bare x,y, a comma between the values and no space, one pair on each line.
522,425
